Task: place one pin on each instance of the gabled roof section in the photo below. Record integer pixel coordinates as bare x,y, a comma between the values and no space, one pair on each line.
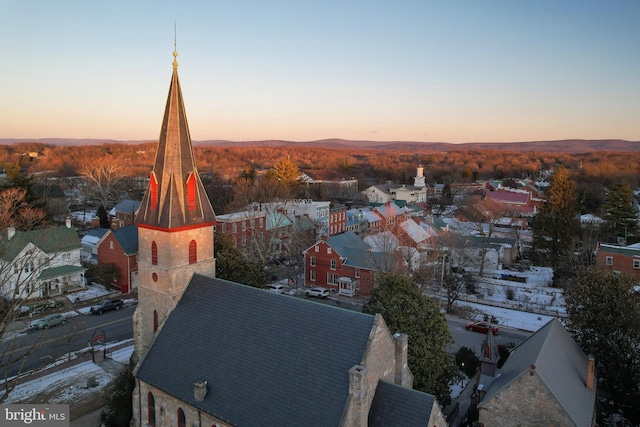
127,238
343,241
326,175
385,242
126,206
49,240
175,197
561,366
93,236
253,354
630,250
277,220
414,231
394,405
357,253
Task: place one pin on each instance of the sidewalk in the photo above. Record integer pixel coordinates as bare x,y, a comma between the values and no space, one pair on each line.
79,383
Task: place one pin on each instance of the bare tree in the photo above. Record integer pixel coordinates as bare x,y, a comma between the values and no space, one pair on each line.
16,212
18,283
20,269
104,175
455,255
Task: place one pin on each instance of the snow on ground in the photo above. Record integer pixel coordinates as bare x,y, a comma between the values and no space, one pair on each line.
71,384
94,290
458,388
84,217
507,317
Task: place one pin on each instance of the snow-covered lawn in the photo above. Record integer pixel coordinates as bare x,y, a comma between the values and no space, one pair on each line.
507,317
71,385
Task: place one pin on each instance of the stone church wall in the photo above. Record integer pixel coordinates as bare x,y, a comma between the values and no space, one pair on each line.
526,402
166,408
379,363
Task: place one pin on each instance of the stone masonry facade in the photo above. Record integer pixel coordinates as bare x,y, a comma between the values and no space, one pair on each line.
527,402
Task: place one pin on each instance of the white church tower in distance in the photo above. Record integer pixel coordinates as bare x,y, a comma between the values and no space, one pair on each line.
175,224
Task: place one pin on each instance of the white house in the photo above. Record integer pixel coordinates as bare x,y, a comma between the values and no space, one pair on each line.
89,251
409,194
40,263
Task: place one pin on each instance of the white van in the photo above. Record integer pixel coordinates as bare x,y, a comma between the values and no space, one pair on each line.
276,288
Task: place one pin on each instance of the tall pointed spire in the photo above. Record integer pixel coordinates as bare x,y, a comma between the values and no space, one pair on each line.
175,197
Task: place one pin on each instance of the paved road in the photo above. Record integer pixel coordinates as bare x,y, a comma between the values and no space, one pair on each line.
39,348
473,340
461,337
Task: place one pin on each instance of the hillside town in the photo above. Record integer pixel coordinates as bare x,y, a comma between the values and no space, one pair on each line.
410,254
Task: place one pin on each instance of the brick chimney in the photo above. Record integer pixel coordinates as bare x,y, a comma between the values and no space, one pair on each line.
591,372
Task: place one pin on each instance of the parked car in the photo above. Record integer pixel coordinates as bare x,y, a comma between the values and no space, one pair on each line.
51,320
317,292
482,326
276,288
106,305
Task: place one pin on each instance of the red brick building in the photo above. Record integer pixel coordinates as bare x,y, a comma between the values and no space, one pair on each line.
337,220
120,247
343,263
620,259
268,233
242,227
123,213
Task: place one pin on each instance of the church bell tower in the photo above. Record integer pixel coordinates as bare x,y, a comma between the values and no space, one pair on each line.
175,224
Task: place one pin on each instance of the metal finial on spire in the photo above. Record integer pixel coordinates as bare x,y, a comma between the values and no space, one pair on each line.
175,51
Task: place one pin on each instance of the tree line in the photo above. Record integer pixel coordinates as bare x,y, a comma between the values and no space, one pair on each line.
598,167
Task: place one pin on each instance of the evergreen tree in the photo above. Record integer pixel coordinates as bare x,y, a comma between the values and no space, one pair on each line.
604,319
621,214
406,310
233,265
556,226
118,396
102,213
287,172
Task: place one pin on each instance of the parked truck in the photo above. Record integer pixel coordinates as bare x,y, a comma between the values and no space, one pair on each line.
107,305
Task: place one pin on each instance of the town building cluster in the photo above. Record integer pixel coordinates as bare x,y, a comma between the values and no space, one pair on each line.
245,356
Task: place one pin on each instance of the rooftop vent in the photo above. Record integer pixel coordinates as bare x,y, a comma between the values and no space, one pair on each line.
199,390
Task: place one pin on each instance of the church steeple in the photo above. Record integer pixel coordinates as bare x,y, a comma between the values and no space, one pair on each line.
175,197
175,224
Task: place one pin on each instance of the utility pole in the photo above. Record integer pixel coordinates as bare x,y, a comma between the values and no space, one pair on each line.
444,257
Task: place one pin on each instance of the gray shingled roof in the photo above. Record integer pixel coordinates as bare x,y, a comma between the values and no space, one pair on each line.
285,358
126,206
342,242
356,254
394,405
561,366
127,237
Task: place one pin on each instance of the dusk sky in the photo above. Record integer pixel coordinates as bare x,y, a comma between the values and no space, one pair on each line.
436,71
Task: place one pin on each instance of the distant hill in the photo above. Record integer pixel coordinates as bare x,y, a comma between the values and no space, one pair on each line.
560,146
